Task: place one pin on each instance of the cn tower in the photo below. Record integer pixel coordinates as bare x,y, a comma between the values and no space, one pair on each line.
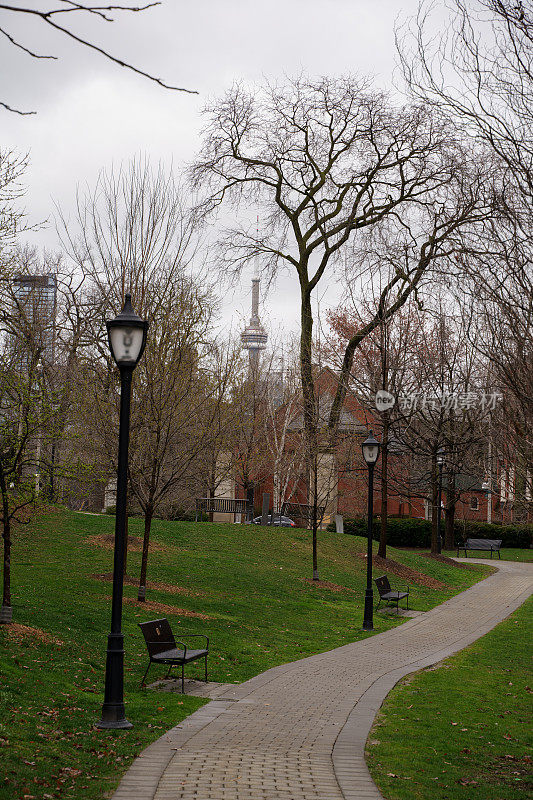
254,337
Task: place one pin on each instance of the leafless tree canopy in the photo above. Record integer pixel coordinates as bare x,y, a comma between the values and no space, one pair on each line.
328,163
325,161
61,18
481,77
12,167
481,73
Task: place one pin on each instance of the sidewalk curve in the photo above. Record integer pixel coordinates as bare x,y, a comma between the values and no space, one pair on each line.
298,731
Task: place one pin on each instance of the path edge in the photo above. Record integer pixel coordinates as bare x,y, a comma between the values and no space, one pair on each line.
141,780
348,756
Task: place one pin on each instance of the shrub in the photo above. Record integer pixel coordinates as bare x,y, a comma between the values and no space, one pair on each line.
511,535
181,514
401,531
411,532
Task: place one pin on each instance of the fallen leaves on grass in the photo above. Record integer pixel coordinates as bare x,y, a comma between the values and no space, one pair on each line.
450,561
152,605
135,544
19,632
154,586
327,585
403,571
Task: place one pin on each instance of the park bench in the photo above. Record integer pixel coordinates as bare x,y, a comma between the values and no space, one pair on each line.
302,511
223,505
481,544
387,594
163,648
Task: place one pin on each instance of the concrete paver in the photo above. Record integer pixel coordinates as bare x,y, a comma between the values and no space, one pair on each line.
298,731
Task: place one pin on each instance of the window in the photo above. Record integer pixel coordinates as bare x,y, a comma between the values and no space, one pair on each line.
474,503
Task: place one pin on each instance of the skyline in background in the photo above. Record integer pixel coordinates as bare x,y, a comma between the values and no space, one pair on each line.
93,115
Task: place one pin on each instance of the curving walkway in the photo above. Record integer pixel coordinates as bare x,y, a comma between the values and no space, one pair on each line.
298,731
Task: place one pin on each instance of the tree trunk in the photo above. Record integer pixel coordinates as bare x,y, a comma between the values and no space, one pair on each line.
314,518
211,490
148,514
449,513
382,549
434,510
51,474
309,409
6,613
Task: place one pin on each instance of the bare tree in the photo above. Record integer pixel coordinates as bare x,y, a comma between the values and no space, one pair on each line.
174,406
12,167
59,20
134,234
325,161
249,454
283,432
26,415
481,77
382,363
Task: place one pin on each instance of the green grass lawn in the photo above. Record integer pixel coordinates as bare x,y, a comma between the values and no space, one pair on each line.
506,554
462,729
246,586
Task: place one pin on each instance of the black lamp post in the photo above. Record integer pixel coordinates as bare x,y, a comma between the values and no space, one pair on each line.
440,463
370,449
127,339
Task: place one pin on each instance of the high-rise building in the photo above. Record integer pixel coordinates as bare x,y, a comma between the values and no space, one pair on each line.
35,299
254,337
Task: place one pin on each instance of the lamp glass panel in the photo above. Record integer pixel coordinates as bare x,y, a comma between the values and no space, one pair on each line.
370,452
126,344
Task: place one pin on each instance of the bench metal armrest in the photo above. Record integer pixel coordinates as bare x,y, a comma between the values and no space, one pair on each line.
184,647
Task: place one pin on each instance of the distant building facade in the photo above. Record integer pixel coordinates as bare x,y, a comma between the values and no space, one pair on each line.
35,301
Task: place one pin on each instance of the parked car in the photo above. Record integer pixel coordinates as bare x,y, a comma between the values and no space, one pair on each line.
285,522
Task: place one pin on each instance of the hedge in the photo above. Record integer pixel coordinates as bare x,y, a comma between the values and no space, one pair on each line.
511,535
410,532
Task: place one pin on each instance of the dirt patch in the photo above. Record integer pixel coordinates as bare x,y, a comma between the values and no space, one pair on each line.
135,543
326,585
162,587
447,560
18,632
402,571
162,608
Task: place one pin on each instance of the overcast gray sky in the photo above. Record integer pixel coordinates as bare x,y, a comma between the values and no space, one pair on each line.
92,114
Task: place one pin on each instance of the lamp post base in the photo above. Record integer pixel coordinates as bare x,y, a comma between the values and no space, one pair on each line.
113,718
368,620
113,709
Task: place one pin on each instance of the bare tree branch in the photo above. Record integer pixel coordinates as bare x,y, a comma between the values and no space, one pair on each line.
104,12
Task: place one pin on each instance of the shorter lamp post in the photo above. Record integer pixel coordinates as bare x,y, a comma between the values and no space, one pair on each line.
127,339
440,464
370,449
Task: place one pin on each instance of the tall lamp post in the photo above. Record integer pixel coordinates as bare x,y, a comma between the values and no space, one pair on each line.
440,464
127,339
370,449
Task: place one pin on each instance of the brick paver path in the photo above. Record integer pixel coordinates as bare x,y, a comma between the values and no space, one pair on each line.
297,731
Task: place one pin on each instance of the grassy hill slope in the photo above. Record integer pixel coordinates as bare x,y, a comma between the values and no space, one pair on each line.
247,587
